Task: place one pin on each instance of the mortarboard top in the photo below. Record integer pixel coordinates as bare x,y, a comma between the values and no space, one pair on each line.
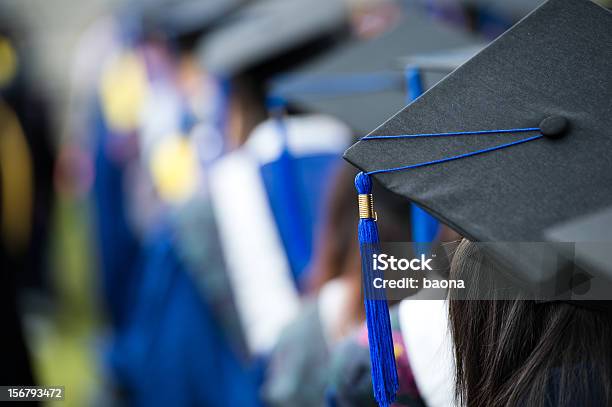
360,83
555,62
266,29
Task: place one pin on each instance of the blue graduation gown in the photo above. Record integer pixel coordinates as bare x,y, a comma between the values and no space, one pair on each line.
174,351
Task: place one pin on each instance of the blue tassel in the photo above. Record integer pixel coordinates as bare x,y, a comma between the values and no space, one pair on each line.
384,371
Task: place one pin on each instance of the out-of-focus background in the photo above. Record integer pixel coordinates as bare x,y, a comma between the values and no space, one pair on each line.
172,190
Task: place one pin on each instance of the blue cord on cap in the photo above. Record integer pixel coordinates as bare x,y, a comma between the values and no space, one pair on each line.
456,157
455,133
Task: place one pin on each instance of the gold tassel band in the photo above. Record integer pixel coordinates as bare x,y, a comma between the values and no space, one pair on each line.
366,206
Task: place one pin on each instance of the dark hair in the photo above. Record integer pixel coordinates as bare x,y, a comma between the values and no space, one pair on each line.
519,352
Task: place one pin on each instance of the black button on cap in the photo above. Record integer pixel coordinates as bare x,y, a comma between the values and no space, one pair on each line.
554,126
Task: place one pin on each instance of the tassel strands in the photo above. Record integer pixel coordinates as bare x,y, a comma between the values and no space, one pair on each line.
384,371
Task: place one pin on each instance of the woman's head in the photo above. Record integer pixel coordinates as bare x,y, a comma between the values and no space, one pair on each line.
520,352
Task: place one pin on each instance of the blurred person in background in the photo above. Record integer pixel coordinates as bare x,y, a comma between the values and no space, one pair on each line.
299,370
264,196
143,170
181,343
26,195
109,82
126,95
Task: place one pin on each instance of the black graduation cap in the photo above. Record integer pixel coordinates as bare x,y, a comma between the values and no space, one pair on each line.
591,236
184,17
362,82
547,81
266,29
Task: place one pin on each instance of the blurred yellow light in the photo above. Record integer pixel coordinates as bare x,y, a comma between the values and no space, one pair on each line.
174,168
16,181
123,90
8,62
398,350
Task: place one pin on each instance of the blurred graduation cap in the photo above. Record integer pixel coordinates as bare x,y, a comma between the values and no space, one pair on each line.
266,29
515,141
512,10
185,17
362,82
444,61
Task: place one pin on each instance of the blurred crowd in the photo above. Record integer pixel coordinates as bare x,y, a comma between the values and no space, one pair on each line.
181,228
